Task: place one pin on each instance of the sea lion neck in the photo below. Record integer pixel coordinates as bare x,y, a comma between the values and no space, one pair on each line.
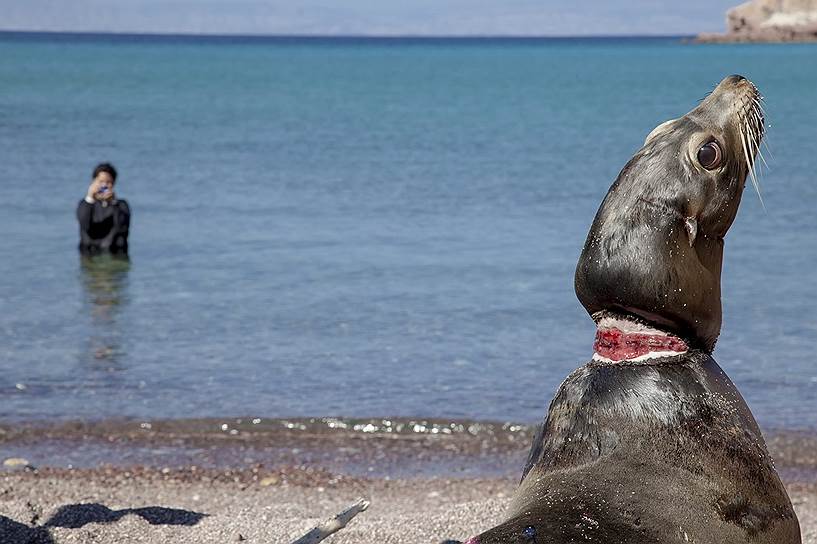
655,249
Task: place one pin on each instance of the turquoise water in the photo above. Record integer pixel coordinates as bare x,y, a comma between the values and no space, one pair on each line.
363,227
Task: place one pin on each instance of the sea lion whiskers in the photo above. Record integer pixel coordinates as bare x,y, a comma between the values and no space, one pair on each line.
750,167
759,121
758,117
751,131
761,113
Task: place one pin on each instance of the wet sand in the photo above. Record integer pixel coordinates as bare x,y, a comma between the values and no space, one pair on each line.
223,497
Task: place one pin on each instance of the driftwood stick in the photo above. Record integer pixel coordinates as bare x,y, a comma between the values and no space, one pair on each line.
333,525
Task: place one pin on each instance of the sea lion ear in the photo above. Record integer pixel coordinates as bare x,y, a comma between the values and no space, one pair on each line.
663,128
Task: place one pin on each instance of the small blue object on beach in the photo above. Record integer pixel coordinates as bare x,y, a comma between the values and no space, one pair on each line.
529,532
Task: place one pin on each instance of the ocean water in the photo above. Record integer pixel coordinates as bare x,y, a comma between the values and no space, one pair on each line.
363,227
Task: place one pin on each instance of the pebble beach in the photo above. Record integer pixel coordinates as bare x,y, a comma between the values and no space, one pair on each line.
135,506
423,486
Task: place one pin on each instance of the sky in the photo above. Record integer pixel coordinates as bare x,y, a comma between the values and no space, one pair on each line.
369,17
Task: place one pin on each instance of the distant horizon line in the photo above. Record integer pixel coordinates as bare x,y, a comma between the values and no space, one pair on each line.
385,37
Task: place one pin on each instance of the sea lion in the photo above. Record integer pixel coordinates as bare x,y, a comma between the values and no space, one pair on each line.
651,441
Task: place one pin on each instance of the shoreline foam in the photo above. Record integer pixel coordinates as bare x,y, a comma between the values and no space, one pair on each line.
379,447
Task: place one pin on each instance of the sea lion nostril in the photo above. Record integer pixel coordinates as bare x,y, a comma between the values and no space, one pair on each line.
736,78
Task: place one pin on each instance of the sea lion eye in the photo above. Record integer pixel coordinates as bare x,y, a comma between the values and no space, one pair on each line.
710,155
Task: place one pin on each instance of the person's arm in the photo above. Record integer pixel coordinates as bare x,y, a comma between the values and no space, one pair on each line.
85,211
123,217
85,208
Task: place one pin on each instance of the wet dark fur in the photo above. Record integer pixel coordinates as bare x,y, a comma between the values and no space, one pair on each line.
639,453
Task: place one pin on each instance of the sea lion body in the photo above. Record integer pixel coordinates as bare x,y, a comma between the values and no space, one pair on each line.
651,442
637,453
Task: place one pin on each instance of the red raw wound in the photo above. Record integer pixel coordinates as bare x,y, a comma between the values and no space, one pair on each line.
617,345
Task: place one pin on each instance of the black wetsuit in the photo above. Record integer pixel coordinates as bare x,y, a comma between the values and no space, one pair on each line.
103,226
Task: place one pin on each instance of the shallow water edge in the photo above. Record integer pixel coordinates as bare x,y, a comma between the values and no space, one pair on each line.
363,447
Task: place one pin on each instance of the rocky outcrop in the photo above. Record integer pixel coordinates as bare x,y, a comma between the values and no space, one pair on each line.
769,21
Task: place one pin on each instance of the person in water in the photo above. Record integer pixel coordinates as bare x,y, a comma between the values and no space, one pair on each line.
104,220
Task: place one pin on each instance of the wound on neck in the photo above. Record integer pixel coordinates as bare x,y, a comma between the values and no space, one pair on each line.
619,339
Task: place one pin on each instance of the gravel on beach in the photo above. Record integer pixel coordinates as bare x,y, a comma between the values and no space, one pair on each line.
214,481
118,505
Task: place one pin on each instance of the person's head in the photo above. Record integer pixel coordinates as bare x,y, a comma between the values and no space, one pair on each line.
105,173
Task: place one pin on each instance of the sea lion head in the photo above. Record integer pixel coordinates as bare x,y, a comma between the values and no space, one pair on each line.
655,248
